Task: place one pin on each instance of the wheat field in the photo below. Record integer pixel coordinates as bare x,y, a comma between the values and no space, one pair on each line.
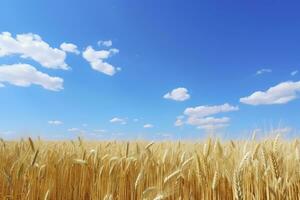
208,169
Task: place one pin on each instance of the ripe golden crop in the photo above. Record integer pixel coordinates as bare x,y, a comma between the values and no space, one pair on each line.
210,169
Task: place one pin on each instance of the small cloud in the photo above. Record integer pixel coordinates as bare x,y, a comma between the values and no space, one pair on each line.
106,43
135,120
178,94
84,125
117,120
97,60
279,94
69,47
148,126
55,122
293,73
262,71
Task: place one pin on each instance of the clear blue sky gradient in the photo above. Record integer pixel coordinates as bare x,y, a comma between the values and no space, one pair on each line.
213,48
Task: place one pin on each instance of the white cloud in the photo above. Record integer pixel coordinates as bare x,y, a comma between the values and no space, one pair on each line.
55,122
148,126
106,43
262,71
69,47
201,116
118,120
32,46
203,111
96,60
178,94
280,94
136,120
25,75
293,73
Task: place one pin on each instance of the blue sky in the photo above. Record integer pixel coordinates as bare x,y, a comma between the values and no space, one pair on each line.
215,52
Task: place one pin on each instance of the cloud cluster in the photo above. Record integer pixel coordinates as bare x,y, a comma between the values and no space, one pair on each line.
202,116
31,46
280,94
25,75
178,94
97,60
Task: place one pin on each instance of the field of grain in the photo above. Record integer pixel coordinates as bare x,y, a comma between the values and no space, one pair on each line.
209,169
